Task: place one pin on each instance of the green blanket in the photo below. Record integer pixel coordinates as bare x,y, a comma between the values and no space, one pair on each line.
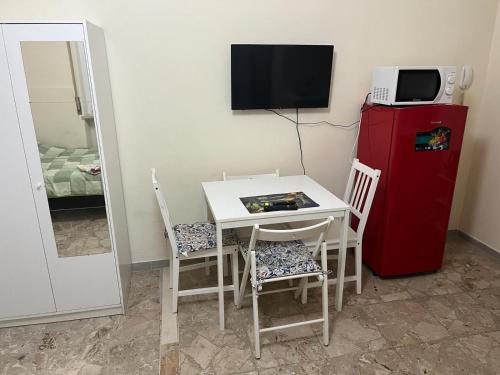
62,175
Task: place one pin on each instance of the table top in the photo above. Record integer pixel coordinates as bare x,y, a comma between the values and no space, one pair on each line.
223,197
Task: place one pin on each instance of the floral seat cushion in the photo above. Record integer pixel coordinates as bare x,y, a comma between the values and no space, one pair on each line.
278,259
201,236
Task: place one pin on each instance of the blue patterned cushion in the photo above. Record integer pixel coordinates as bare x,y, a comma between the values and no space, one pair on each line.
201,236
278,259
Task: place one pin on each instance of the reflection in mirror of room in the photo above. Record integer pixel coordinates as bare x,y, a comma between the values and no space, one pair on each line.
61,107
55,77
81,232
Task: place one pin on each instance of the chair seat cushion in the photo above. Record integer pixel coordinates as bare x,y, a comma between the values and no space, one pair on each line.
201,236
280,259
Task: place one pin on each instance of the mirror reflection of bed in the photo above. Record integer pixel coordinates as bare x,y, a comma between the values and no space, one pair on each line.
62,112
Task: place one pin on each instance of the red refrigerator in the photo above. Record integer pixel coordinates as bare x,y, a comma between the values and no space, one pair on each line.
417,148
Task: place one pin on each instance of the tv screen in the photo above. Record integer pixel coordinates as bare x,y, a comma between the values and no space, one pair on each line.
267,76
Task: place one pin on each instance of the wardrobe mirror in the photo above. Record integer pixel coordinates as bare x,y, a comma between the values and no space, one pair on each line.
63,117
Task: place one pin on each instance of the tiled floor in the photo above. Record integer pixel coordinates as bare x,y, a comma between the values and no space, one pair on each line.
442,323
110,345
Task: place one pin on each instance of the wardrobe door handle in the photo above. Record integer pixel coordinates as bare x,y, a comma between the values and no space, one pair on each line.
39,186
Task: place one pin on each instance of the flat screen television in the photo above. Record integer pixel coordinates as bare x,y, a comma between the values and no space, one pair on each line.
265,76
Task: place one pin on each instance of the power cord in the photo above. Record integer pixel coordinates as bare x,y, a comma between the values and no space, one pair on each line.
319,123
312,124
300,141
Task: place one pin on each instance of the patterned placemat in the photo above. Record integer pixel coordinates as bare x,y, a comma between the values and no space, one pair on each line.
258,203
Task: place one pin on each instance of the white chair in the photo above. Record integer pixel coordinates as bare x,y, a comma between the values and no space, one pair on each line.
194,241
360,190
276,255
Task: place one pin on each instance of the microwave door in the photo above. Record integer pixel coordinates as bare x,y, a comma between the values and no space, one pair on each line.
417,85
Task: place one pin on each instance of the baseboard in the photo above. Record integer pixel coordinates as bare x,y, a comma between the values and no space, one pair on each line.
478,243
61,316
151,265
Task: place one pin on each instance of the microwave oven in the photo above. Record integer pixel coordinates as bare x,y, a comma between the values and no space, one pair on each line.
411,85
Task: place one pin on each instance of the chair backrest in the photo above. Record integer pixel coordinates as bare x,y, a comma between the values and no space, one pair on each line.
226,177
316,231
164,210
360,191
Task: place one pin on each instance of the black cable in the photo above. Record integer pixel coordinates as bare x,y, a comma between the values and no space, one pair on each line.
317,123
279,114
300,142
312,123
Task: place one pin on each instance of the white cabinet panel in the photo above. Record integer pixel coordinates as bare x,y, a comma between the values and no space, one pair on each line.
78,282
25,287
98,63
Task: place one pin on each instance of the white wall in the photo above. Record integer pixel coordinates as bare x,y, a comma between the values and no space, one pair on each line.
52,95
481,213
169,65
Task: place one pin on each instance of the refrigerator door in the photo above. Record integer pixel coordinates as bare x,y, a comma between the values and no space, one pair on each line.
425,151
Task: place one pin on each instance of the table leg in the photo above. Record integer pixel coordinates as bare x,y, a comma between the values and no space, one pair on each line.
236,276
220,276
341,261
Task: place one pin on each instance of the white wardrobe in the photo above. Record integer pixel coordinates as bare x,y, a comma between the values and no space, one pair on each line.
64,245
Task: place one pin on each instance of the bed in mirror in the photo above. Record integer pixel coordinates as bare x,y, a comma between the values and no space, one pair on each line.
61,107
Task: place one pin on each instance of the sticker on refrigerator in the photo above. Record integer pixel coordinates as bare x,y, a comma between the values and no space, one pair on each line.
434,140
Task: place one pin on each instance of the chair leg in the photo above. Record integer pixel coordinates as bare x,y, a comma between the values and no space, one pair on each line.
244,280
236,276
171,267
326,333
256,329
298,292
226,267
207,267
255,304
359,269
175,284
304,292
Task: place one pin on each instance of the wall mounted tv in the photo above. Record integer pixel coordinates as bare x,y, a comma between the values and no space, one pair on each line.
265,76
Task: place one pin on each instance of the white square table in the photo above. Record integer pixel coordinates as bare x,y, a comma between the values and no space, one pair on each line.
223,200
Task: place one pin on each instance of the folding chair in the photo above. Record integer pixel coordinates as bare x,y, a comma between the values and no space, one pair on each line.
276,255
